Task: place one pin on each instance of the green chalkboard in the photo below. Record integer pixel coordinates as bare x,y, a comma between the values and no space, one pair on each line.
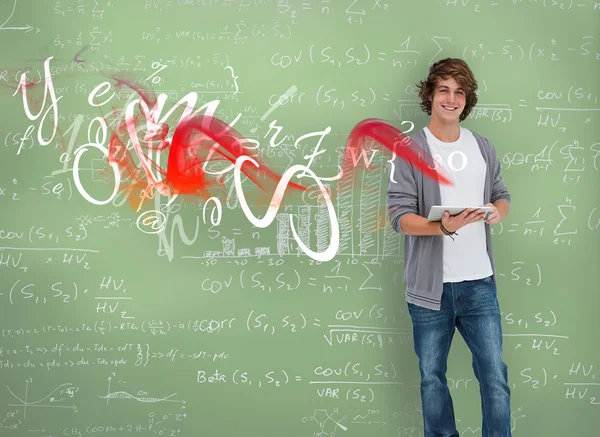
179,316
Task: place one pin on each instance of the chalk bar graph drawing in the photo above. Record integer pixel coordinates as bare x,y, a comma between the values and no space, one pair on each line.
55,399
142,396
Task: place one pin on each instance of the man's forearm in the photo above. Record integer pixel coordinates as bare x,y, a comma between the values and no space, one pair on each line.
413,224
503,208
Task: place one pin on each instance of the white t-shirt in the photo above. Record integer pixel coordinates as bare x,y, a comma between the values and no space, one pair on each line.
466,257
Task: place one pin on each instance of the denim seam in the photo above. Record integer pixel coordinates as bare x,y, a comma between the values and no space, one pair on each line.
448,407
482,390
485,414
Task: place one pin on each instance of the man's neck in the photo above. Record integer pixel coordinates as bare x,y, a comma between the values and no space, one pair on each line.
447,133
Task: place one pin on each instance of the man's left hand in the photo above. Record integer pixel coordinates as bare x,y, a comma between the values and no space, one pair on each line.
494,215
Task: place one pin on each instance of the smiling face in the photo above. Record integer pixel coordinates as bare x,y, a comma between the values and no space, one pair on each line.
448,102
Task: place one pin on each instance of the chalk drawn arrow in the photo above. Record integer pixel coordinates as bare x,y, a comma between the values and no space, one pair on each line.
26,28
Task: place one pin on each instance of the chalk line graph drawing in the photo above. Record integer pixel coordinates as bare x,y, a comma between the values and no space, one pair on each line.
141,396
26,28
54,399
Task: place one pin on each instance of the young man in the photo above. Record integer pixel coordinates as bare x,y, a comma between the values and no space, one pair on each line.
449,265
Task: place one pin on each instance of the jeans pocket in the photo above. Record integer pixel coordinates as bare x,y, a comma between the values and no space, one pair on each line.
483,295
420,314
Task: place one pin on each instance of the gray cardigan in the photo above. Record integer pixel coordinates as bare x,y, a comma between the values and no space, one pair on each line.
412,192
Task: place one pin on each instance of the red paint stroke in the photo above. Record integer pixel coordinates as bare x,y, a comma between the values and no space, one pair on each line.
191,138
121,80
396,141
195,141
79,53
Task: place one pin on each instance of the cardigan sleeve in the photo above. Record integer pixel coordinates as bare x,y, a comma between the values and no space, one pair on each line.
499,189
402,192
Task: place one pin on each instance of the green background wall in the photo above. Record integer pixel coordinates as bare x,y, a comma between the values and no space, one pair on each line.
230,329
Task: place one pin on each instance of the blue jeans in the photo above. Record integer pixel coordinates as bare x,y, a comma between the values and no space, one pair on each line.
472,307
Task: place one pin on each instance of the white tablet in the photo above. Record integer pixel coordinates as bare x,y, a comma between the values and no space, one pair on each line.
437,211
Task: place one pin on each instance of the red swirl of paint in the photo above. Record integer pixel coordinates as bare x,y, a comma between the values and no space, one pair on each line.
396,141
194,143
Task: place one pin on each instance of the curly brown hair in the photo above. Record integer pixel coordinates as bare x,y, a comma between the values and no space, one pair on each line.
445,69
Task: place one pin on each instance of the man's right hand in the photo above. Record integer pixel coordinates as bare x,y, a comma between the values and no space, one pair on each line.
469,215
